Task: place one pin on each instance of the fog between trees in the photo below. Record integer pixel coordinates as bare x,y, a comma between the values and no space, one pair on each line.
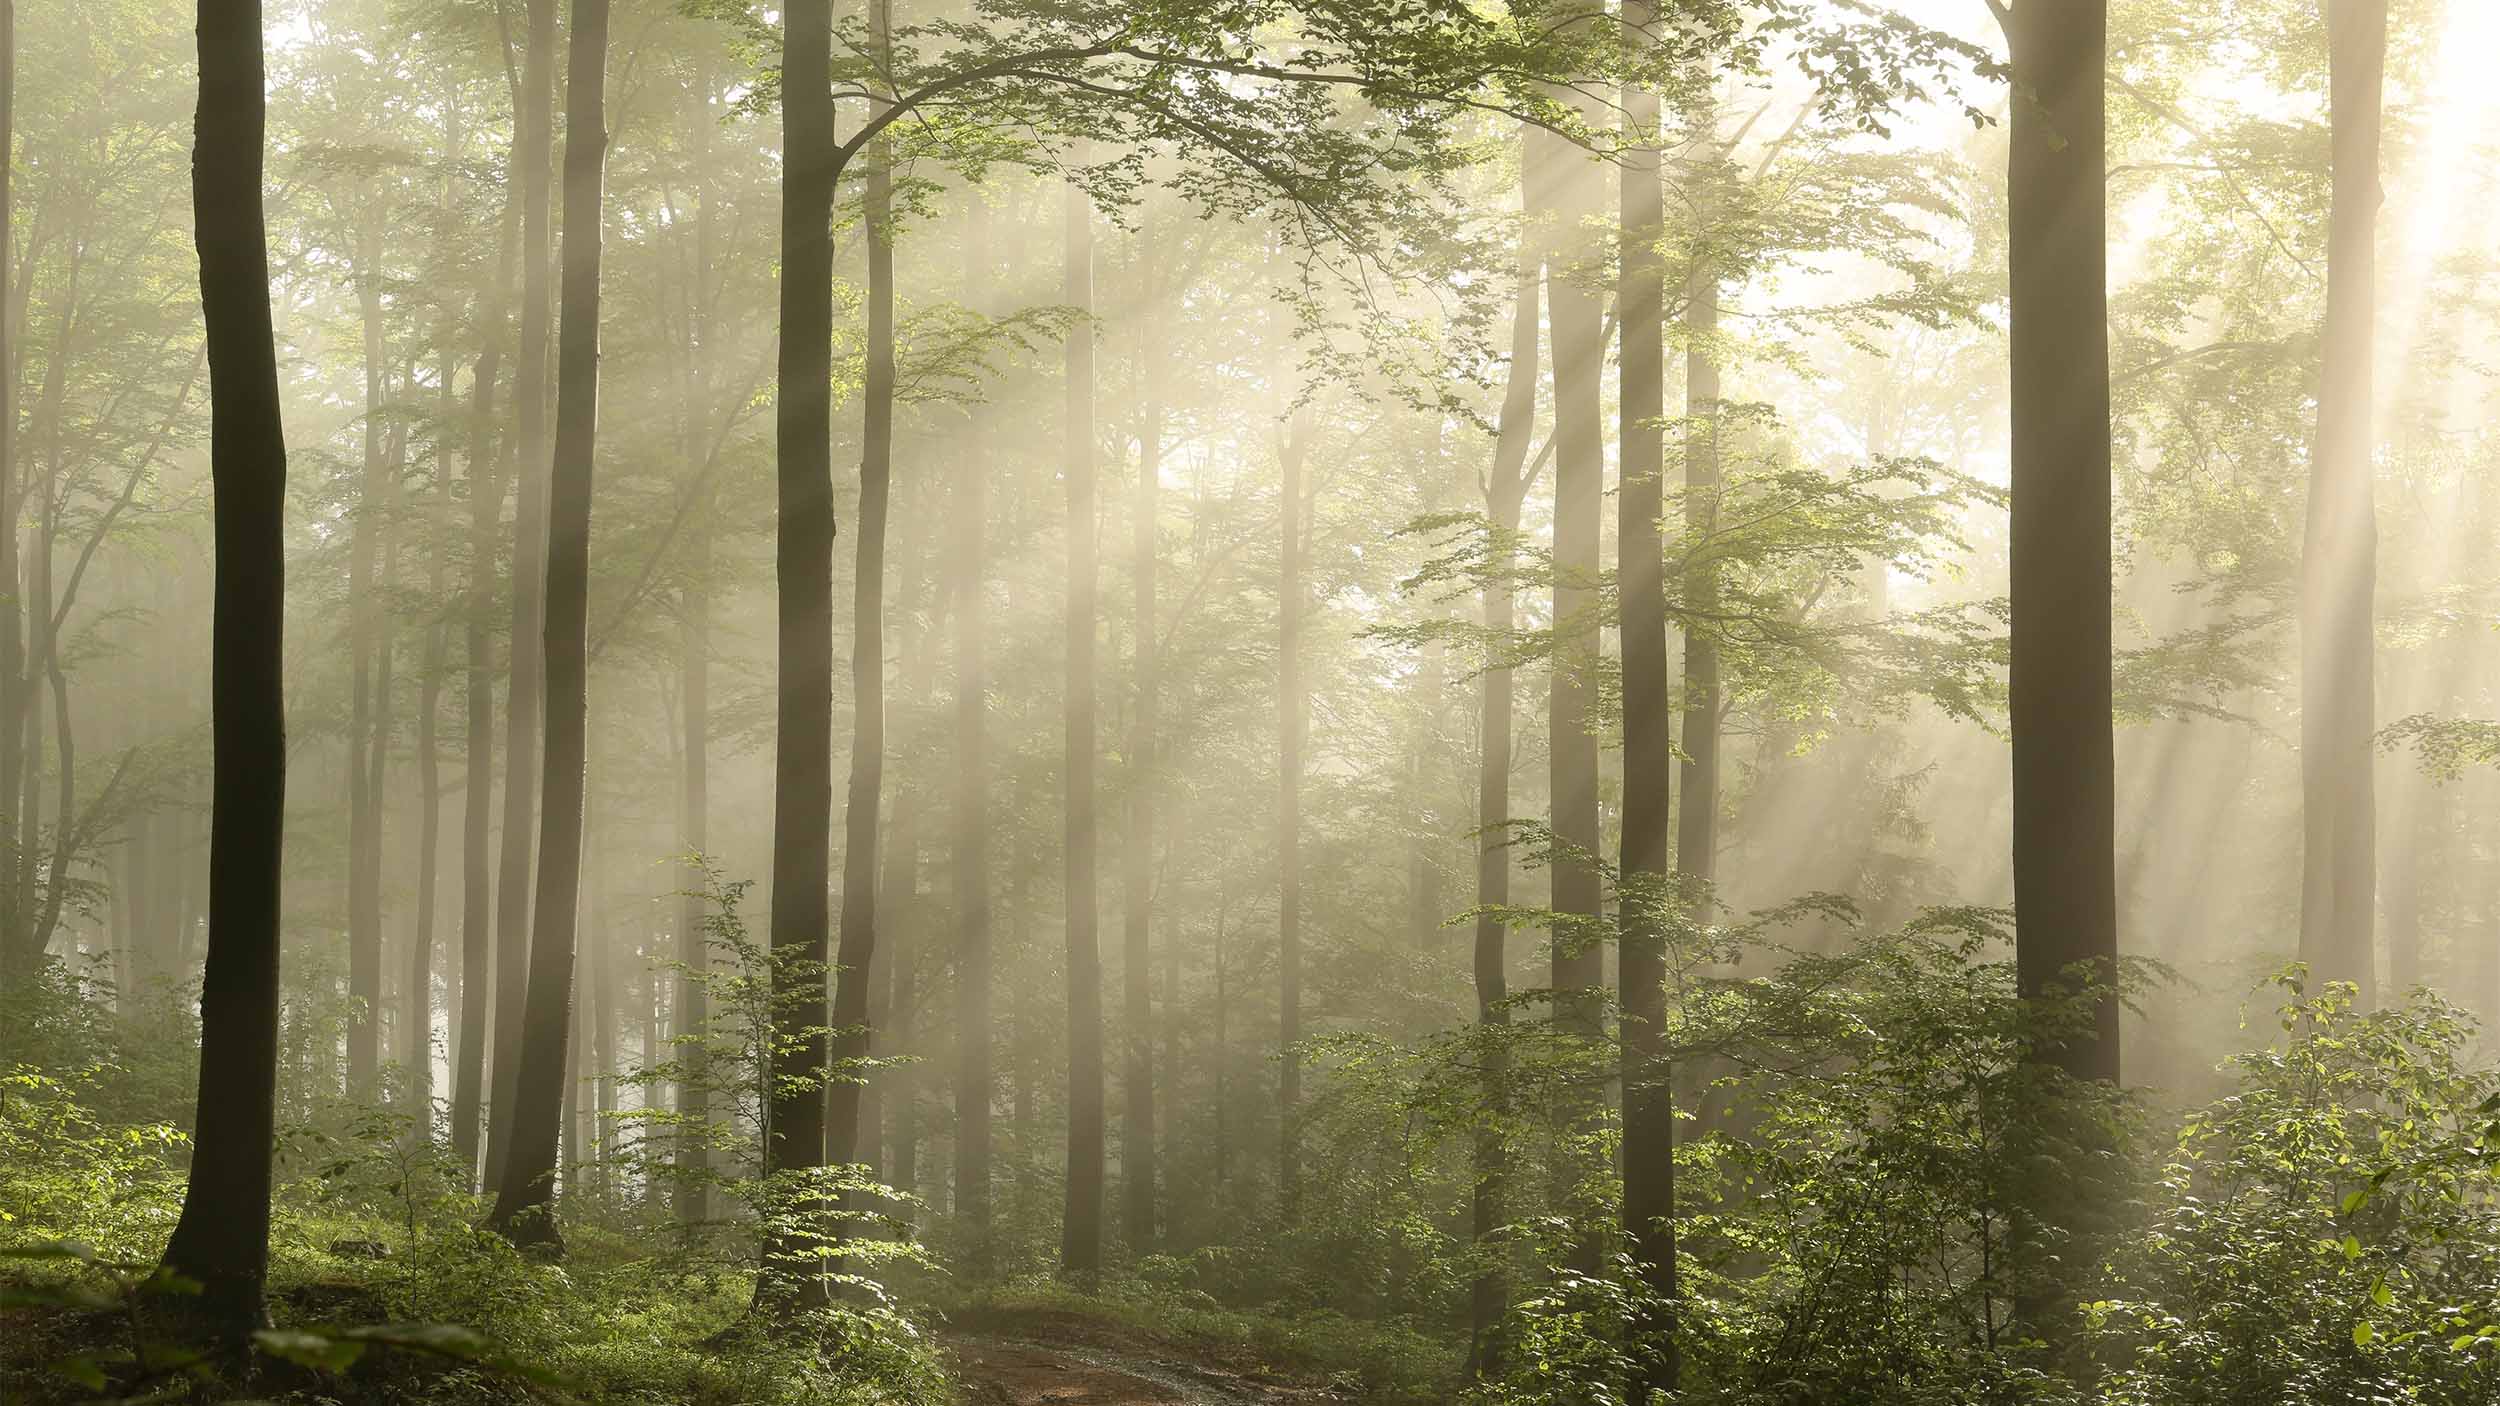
1703,700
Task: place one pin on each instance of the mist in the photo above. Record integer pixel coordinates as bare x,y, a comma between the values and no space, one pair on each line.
1517,702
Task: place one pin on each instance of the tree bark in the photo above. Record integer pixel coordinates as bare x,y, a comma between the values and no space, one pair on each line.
975,1082
1137,1127
854,1019
524,693
2339,549
2065,864
1648,745
693,1016
795,1118
524,1212
1565,194
1505,494
364,813
485,512
1080,1243
1292,723
222,1238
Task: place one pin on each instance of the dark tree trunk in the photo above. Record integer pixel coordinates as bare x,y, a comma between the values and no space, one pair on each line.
1080,1243
524,1212
485,511
1506,490
2065,863
974,1081
1648,746
222,1238
1137,1127
794,1131
2339,550
523,699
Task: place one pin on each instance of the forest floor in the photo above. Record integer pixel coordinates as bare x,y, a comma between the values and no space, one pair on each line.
1062,1359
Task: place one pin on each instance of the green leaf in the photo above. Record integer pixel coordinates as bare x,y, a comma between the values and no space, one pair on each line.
2362,1332
2352,1248
323,1351
2381,1295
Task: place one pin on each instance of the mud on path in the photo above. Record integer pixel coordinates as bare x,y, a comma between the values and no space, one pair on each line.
1060,1361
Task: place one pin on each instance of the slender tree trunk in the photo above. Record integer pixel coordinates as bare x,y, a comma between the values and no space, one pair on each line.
1697,817
2065,863
2339,566
1292,722
693,1016
1080,1244
222,1238
795,1116
1137,1127
1567,197
524,1212
1648,747
485,511
523,699
418,1046
364,846
12,689
850,1130
974,1081
1505,493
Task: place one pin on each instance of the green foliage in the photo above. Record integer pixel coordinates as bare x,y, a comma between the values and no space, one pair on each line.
2329,1232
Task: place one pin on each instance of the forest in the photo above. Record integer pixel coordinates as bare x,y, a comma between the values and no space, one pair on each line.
1250,702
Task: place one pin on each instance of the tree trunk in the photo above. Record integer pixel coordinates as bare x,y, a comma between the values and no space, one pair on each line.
2340,546
485,510
1648,746
2065,863
1292,722
11,956
523,700
795,1118
1564,195
693,1016
222,1238
524,1213
1137,1127
364,813
1505,493
974,1081
854,1035
1080,1243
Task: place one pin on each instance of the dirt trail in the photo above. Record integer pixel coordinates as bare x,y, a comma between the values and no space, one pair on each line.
1045,1369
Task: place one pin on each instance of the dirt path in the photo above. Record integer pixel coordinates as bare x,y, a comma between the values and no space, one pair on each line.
1021,1371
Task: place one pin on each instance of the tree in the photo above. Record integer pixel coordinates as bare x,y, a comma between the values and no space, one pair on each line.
1137,1127
478,770
1080,1236
222,1237
1648,745
523,1204
974,977
1505,493
533,140
794,1126
855,1011
2065,868
2339,849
